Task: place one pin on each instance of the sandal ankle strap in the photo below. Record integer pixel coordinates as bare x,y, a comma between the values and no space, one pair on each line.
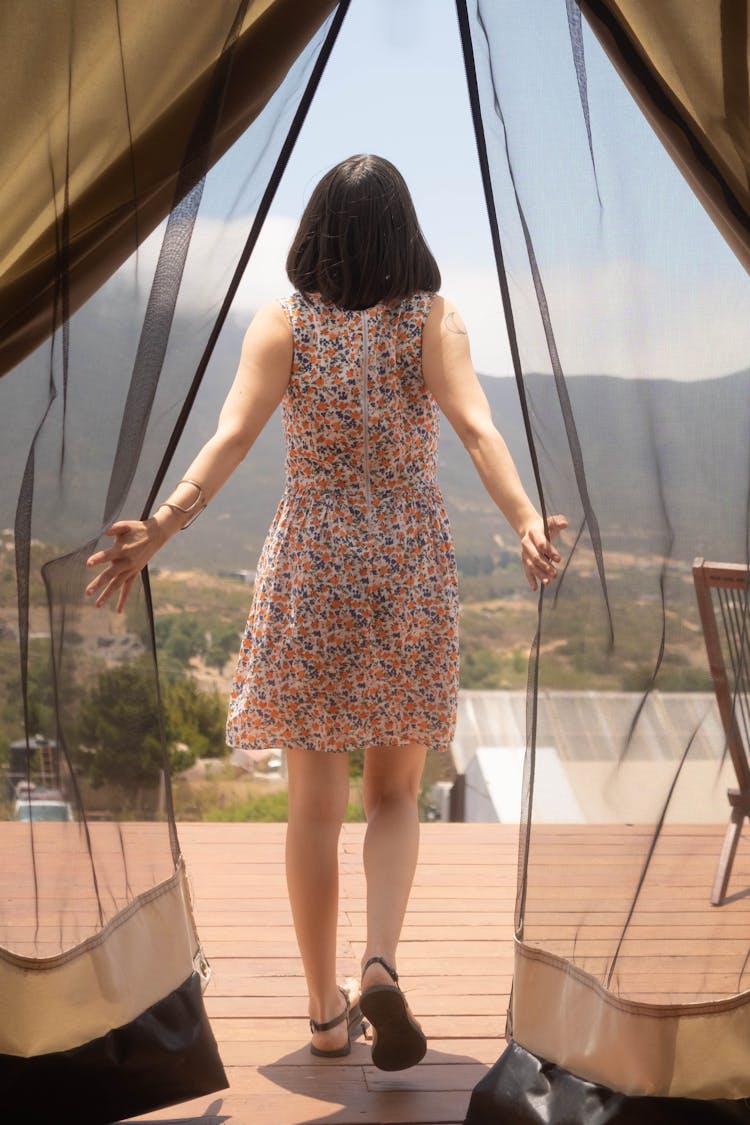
330,1024
381,961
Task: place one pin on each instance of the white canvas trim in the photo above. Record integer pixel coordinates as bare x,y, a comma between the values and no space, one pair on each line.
563,1014
57,1003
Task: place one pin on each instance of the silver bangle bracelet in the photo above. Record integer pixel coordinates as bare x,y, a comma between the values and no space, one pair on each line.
193,510
182,511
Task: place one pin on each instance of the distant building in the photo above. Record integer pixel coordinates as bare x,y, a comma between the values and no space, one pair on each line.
584,773
40,762
246,576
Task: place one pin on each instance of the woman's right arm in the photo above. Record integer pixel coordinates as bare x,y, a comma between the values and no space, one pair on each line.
258,388
449,374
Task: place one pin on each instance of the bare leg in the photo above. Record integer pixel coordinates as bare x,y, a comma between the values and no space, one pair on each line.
391,786
318,796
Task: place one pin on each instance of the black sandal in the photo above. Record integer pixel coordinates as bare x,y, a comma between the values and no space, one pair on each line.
353,1016
398,1040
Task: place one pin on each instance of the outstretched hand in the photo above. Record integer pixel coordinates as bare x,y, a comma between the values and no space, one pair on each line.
538,556
135,542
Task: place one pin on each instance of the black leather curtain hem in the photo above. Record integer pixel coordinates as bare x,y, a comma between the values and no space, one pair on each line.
521,1089
167,1055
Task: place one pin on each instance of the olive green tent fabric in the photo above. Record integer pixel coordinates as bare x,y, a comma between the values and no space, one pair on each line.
687,67
99,104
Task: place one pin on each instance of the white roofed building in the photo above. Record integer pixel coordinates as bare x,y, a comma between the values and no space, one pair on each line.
588,770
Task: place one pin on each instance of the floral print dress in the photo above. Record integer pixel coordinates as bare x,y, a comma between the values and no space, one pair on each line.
352,638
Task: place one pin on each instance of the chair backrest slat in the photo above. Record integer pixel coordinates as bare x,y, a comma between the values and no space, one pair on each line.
722,594
734,615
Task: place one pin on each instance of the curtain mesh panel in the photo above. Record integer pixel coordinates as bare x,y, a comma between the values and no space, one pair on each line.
628,318
127,143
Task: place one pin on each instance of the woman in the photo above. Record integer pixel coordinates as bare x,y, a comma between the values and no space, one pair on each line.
352,639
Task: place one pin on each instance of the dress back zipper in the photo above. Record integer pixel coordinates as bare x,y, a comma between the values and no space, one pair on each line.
365,419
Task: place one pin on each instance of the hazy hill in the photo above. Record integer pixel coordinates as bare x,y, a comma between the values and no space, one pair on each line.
651,449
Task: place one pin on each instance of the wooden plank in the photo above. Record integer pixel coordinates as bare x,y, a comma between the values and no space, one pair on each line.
227,981
455,957
458,1076
295,1031
394,1107
269,1052
427,1004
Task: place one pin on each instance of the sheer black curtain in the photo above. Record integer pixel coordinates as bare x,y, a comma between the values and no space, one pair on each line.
89,422
628,315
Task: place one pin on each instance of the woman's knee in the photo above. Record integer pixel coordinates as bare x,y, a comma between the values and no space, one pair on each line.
318,787
376,802
392,776
319,807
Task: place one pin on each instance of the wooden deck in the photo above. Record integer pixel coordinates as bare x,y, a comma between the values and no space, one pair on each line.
455,961
455,958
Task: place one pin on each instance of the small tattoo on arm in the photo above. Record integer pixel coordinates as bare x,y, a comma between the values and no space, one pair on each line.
454,324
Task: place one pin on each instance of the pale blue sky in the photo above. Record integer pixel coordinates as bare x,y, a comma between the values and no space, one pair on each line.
395,85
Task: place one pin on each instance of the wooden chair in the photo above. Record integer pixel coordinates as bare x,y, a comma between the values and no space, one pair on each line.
722,593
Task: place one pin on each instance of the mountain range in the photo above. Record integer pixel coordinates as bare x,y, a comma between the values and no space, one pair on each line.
659,458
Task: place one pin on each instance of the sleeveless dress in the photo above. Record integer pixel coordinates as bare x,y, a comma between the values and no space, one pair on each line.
352,638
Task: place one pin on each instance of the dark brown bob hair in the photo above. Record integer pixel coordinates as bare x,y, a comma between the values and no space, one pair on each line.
359,242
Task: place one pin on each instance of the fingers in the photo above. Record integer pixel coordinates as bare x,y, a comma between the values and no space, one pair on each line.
124,591
556,524
101,583
98,558
101,586
537,572
110,580
547,552
541,558
538,555
117,581
116,532
124,560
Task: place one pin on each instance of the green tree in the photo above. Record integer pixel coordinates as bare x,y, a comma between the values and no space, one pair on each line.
119,725
481,668
40,688
224,643
195,717
180,636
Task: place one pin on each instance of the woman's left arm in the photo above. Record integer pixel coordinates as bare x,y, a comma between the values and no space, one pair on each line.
258,388
449,374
